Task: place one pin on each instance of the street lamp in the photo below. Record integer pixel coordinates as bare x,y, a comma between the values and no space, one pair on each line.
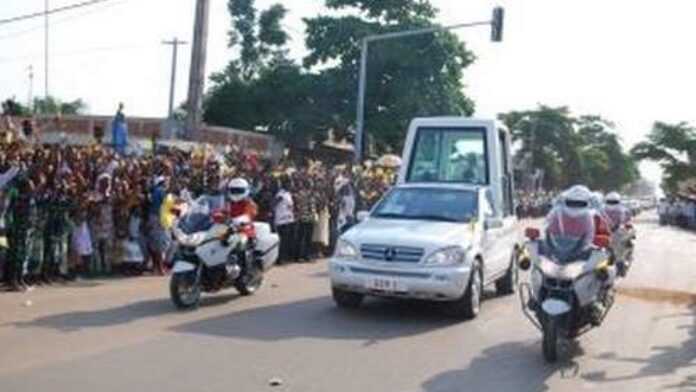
496,24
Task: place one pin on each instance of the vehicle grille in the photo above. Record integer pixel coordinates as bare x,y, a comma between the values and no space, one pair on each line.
397,254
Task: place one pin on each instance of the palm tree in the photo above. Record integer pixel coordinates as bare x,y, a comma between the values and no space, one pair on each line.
673,146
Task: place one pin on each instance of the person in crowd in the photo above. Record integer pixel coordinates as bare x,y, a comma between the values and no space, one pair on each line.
102,224
305,209
20,210
346,200
284,220
158,241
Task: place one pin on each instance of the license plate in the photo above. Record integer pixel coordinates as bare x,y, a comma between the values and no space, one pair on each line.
386,284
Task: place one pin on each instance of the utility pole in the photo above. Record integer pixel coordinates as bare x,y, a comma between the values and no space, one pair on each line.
496,24
30,97
45,49
197,73
175,47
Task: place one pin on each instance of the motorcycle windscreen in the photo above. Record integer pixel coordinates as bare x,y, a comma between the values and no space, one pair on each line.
569,234
197,217
616,216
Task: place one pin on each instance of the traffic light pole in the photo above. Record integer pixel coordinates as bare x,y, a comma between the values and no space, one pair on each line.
360,113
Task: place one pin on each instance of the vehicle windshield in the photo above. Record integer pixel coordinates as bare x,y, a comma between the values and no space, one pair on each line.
569,234
449,155
448,205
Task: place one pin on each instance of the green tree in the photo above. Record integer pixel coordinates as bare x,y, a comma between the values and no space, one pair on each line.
12,107
673,146
417,76
52,106
262,88
569,149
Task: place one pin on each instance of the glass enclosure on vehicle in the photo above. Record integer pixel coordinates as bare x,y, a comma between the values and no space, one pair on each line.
450,154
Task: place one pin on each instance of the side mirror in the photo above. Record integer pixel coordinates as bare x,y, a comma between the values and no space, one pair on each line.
362,215
601,241
532,233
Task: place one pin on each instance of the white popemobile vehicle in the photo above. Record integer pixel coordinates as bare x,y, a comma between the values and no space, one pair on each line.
445,230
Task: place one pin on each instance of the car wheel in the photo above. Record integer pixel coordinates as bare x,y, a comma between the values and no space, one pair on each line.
469,305
346,299
507,284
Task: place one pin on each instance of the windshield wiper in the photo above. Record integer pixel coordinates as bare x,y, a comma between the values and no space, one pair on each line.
390,215
434,217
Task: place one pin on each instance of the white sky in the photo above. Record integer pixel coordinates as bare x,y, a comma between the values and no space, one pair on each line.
630,61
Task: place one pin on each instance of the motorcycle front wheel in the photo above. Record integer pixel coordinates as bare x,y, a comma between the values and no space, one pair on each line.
249,283
550,340
185,293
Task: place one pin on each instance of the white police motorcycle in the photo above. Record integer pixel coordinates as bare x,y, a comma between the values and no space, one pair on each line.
623,233
212,254
570,289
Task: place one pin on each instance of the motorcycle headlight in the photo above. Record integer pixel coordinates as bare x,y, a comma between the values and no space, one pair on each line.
447,256
345,249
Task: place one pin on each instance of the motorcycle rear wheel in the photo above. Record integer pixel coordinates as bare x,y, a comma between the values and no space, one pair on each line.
185,293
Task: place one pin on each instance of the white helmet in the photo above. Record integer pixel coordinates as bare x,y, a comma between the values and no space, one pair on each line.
576,200
238,189
613,198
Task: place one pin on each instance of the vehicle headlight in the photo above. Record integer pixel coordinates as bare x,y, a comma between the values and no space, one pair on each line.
447,256
345,249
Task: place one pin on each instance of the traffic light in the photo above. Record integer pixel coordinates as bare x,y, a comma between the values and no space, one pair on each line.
497,24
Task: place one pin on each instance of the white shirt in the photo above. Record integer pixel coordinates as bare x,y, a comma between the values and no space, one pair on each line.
283,212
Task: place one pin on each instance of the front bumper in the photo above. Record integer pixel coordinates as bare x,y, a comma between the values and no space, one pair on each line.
415,282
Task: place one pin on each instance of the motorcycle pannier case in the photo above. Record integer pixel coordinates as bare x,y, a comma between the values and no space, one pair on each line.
267,244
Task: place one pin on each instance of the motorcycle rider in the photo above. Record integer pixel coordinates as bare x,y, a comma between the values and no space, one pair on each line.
242,211
570,226
619,216
241,207
616,211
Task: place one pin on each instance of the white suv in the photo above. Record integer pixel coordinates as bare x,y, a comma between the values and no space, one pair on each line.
446,230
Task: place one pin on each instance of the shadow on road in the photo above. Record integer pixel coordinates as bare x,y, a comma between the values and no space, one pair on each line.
665,360
510,366
76,321
319,318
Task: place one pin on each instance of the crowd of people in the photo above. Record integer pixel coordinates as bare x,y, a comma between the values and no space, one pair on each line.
72,211
678,211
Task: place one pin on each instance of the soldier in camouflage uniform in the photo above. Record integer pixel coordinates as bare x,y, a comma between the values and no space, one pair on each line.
58,229
21,213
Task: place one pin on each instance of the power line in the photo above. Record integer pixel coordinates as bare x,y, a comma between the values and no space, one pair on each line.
51,11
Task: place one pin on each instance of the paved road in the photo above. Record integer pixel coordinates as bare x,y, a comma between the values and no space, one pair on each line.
123,335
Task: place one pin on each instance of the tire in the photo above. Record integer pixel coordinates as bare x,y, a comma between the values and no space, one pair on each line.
508,283
469,305
549,342
346,299
248,285
250,281
181,301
